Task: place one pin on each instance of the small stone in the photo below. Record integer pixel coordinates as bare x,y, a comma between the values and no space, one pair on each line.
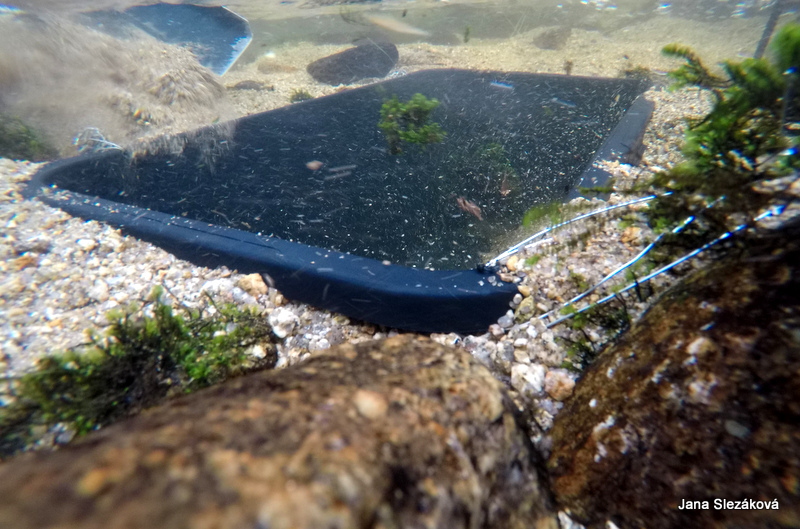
525,290
99,291
37,244
528,379
23,261
525,308
511,264
258,351
631,234
496,331
283,322
318,345
737,429
507,320
521,356
253,284
121,297
370,404
87,245
558,384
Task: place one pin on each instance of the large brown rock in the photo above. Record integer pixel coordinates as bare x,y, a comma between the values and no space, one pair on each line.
398,433
699,402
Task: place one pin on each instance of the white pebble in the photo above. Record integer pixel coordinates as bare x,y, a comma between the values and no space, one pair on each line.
283,322
528,379
87,245
99,291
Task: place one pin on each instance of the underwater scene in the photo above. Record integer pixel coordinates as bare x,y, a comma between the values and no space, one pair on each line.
400,263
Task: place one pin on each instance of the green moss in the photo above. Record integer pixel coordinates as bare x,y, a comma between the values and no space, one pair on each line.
579,281
610,320
549,213
18,141
408,122
532,260
598,190
742,141
139,361
628,220
298,95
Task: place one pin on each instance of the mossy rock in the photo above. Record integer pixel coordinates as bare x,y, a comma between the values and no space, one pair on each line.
697,402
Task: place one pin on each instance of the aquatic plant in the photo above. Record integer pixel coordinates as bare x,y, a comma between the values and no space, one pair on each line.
299,95
749,137
582,349
551,212
409,122
140,360
19,141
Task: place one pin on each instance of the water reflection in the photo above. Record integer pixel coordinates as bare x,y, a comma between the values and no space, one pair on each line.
62,77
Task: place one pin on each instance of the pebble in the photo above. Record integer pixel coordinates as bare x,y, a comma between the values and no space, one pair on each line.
283,322
99,291
511,263
370,404
528,379
496,330
253,284
37,244
87,245
258,352
558,384
507,320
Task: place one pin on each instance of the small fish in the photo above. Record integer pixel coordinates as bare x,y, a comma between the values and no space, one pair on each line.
563,102
469,207
392,24
502,85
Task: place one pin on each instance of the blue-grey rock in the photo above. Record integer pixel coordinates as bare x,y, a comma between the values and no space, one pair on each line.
369,59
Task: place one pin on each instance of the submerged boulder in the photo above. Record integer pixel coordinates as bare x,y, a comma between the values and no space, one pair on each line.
369,59
693,418
394,433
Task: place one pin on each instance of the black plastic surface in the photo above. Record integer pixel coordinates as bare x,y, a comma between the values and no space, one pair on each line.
215,35
248,198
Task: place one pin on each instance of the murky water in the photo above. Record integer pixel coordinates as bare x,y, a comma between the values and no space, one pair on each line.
65,77
51,59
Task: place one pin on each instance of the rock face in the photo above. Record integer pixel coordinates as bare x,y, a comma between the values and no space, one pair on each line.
370,59
700,401
398,433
